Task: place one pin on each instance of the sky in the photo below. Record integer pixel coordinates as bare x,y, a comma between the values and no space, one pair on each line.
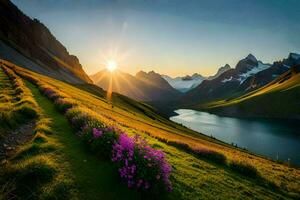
173,37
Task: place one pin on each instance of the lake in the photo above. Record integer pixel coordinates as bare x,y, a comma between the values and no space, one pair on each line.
271,138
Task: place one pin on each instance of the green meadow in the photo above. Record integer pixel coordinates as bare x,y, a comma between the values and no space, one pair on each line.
55,163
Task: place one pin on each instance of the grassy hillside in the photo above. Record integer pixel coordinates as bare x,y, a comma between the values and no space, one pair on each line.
16,103
202,168
280,98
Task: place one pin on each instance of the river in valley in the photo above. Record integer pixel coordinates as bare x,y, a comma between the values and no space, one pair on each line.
272,138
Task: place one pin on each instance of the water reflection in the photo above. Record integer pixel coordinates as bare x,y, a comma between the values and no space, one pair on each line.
262,136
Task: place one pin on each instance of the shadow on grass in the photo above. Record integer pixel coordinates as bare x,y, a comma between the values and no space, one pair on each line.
33,150
29,177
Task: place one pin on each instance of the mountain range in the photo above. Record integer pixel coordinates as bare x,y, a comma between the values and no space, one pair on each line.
196,91
187,83
248,75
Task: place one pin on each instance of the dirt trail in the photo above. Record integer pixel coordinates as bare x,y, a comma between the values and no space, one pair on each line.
13,139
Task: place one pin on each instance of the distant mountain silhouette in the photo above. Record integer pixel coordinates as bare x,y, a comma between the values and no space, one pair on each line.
143,86
187,83
30,44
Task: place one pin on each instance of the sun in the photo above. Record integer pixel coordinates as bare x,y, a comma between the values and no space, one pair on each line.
111,65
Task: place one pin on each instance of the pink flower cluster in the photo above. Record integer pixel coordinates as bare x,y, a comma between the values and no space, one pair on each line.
123,151
97,133
155,159
139,164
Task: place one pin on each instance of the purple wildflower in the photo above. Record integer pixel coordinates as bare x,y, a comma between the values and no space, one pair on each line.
97,133
140,164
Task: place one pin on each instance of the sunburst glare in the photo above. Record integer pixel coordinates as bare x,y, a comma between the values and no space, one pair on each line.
111,65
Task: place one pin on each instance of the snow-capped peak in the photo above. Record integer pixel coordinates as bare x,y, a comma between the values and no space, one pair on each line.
250,72
260,67
186,83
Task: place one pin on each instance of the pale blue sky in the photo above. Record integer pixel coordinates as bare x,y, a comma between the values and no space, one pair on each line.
174,37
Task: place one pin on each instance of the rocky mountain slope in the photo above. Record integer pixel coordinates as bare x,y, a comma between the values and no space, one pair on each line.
220,71
30,44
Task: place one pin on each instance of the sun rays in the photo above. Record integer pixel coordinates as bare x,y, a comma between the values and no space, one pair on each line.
119,82
111,65
113,80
